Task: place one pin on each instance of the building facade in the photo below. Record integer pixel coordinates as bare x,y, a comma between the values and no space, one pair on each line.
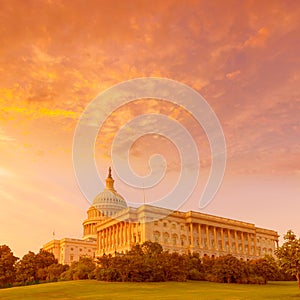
183,232
113,228
68,250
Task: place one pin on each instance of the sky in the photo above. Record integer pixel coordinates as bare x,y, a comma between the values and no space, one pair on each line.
57,56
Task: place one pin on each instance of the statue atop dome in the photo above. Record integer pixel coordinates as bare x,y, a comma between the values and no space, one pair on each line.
110,181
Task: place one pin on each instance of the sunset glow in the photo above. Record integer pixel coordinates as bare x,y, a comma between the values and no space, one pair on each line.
57,56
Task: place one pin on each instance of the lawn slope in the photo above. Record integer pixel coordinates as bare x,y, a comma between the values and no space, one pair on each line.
91,289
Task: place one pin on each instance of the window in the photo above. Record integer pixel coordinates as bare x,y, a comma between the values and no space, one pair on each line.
156,235
166,238
173,226
165,224
71,257
174,240
182,227
155,222
220,244
72,249
80,249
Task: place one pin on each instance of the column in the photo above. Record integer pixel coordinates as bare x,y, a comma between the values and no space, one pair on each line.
229,240
121,233
129,231
243,242
112,245
192,235
111,236
215,238
249,243
200,236
255,249
99,240
106,239
103,241
124,233
207,237
222,239
236,242
115,236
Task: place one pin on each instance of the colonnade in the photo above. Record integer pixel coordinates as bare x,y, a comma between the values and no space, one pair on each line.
204,238
119,236
229,240
89,229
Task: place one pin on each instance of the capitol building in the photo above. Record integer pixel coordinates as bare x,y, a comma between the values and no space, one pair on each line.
113,228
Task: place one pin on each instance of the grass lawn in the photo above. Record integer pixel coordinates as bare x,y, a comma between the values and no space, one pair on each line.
92,289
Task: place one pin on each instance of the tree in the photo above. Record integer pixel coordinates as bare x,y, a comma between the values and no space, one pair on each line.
289,255
227,269
265,267
26,268
175,266
82,269
7,266
55,270
43,260
151,248
34,267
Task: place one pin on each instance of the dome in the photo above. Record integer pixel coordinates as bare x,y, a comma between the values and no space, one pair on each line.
109,202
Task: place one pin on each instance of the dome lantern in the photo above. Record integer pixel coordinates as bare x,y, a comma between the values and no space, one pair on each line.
109,202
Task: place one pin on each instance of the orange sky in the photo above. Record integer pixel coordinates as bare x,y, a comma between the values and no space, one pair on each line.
56,56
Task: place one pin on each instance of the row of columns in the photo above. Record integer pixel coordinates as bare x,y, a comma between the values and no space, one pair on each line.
89,229
224,232
230,234
121,235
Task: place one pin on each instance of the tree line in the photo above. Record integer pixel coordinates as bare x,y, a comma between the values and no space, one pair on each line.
32,268
148,262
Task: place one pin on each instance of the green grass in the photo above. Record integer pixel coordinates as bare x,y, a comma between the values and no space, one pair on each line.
92,289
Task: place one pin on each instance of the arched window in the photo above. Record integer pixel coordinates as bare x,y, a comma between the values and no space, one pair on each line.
166,238
156,235
174,239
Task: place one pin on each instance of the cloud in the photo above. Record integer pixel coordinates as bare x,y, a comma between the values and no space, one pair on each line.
41,112
5,173
4,137
258,39
233,74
